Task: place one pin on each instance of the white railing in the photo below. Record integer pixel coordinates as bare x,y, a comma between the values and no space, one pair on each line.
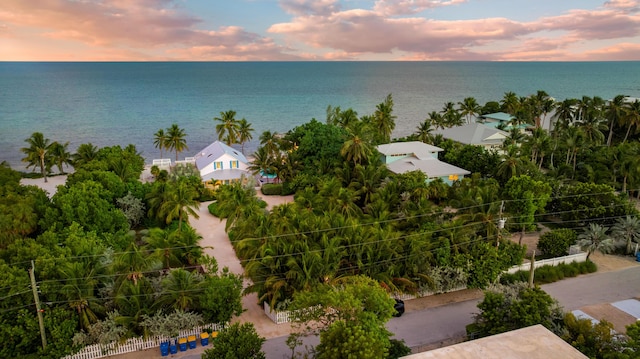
162,163
186,161
135,344
579,257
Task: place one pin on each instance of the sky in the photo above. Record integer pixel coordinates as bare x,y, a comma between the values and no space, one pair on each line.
319,30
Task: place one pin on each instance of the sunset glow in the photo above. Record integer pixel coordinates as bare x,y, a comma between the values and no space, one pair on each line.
319,30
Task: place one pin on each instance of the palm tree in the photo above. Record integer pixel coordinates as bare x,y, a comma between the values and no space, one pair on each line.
595,238
176,138
80,289
271,142
383,120
614,113
181,202
629,162
163,245
564,115
85,153
180,290
244,132
160,140
469,107
357,148
628,228
632,117
512,164
451,116
424,131
227,128
60,155
37,154
510,102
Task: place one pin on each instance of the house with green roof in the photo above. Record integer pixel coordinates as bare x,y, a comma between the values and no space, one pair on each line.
501,120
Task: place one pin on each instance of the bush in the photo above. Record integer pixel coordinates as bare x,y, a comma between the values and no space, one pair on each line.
213,209
550,274
556,243
237,341
588,267
547,274
510,278
271,189
398,349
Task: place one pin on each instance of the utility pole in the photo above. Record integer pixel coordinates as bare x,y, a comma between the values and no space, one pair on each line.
43,335
501,222
532,268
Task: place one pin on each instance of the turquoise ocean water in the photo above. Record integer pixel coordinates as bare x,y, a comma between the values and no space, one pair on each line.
121,103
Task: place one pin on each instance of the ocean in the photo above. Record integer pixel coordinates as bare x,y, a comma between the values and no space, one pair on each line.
121,103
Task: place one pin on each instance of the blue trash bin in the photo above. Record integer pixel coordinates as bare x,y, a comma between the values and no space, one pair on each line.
164,349
173,348
191,339
638,256
204,339
182,343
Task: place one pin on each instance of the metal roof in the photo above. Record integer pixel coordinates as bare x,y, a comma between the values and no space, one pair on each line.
419,149
432,167
473,134
214,151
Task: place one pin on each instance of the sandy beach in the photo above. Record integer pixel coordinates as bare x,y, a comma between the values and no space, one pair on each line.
51,186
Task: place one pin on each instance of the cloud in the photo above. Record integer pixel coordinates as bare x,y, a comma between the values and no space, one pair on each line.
363,31
379,31
310,7
141,27
403,7
316,30
606,23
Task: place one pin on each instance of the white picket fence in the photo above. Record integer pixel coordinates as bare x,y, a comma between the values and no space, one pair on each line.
136,344
579,257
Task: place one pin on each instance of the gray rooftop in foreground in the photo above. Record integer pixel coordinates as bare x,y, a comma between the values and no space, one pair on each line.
535,342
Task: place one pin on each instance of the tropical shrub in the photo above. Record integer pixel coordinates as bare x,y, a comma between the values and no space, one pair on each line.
556,242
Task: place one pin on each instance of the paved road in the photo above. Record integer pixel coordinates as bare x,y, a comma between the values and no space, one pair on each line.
433,326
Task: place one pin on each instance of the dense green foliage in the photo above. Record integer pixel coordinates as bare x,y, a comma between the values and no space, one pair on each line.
506,308
556,242
348,315
114,258
237,341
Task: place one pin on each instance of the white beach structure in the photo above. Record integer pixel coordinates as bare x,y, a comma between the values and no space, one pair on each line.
402,157
221,164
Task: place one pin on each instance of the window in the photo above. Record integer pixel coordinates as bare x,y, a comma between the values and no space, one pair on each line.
217,165
234,164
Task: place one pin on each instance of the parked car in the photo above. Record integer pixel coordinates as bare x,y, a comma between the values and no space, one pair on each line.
399,307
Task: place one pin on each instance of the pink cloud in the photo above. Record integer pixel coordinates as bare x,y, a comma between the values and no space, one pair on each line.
363,31
400,7
598,24
317,30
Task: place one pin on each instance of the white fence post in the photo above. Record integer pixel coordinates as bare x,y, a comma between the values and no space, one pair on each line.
135,344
